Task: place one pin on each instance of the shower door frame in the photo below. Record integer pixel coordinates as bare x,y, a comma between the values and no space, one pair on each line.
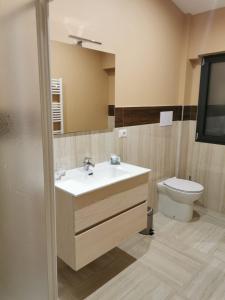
42,14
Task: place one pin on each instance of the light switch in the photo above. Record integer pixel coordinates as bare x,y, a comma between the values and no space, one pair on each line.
166,118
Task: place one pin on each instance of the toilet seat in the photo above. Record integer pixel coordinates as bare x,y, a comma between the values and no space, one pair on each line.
183,185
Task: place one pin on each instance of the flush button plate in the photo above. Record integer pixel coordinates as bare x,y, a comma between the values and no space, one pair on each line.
166,118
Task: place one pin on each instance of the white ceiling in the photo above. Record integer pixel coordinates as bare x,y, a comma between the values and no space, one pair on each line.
197,6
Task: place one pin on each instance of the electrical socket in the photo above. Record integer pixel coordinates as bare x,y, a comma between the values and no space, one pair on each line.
122,133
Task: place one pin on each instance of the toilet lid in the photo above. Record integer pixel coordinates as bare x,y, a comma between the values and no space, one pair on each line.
184,185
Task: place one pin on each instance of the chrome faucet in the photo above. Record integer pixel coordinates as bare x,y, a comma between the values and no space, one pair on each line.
87,163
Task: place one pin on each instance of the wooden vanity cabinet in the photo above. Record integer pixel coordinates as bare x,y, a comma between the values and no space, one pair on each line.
92,224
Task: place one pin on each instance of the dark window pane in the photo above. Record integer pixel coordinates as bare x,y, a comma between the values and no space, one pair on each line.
215,112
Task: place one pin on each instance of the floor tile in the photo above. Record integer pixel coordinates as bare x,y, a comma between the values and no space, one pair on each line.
182,261
169,265
209,284
136,282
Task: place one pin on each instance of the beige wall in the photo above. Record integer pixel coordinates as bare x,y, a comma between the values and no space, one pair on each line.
191,93
203,162
85,86
157,62
146,36
206,32
108,61
111,85
153,42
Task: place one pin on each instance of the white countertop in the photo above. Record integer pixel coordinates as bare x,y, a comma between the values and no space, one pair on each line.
77,181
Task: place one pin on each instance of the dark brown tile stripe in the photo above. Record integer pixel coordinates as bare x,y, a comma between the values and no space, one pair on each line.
190,112
119,117
131,116
111,110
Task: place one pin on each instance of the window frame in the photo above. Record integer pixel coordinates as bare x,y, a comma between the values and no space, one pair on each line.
203,100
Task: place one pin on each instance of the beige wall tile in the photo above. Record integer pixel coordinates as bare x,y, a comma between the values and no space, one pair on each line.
153,147
148,146
205,163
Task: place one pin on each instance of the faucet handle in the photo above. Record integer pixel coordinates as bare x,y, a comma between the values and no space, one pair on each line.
59,174
88,161
87,158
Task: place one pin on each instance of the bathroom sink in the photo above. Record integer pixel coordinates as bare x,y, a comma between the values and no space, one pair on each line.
78,181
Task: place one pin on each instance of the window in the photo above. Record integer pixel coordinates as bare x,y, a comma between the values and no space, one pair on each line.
211,107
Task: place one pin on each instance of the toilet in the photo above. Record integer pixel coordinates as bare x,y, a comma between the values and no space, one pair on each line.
177,196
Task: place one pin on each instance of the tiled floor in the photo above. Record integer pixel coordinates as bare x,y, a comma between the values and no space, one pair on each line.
182,261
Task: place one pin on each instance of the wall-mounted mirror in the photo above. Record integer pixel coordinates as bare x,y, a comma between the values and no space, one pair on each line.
83,88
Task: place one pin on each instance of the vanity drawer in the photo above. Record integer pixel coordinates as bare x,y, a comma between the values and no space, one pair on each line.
96,241
112,205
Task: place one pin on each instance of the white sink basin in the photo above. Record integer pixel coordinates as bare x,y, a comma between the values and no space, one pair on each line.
78,182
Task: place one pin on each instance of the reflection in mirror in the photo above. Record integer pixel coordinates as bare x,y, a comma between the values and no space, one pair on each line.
83,88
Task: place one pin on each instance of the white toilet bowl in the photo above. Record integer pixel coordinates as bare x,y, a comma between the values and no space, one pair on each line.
177,196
